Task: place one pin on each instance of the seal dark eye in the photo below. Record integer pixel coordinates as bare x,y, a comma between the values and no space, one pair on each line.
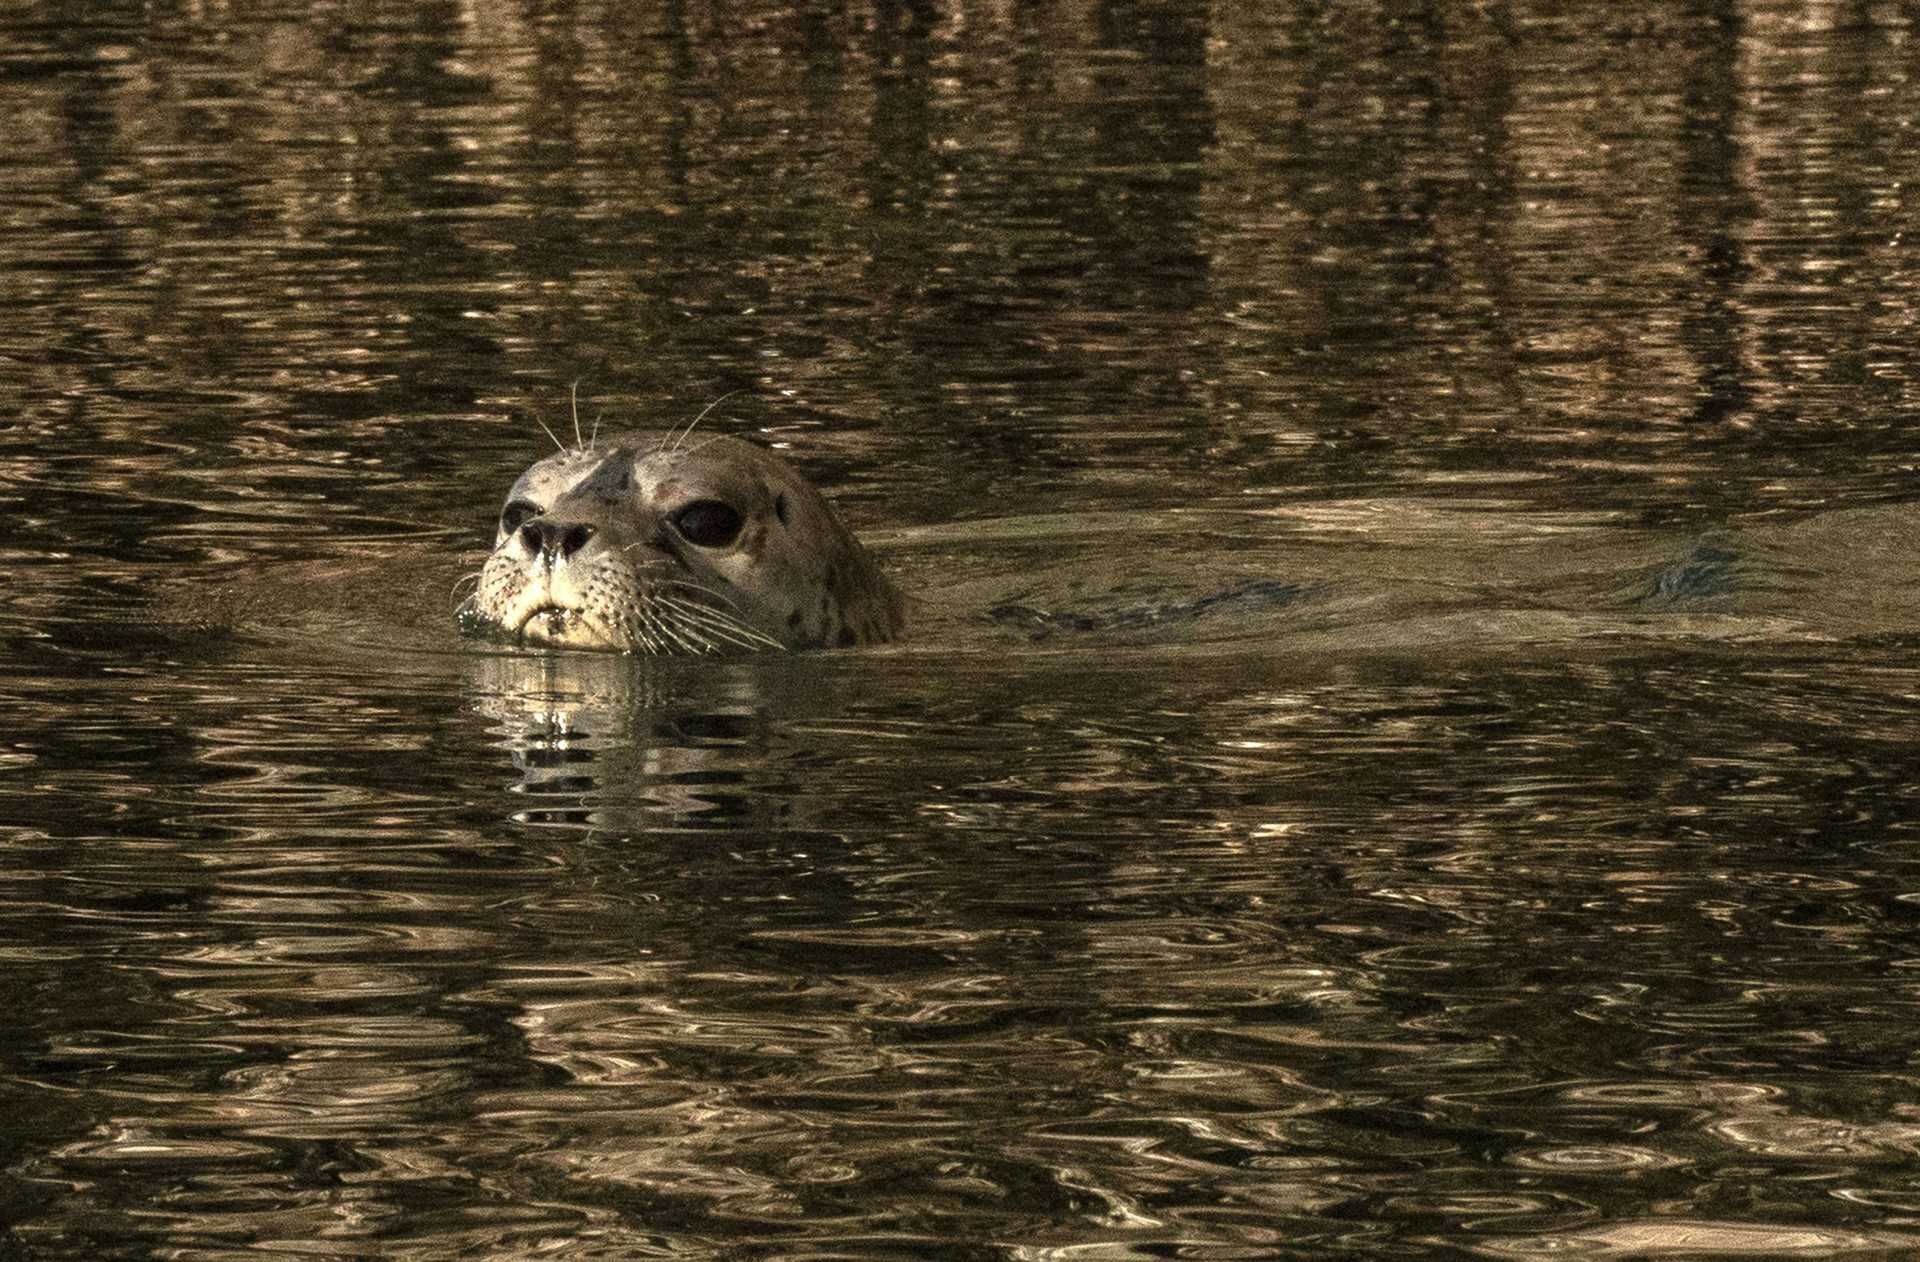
516,513
708,523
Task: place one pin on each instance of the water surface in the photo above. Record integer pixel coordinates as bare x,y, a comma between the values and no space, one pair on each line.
1407,742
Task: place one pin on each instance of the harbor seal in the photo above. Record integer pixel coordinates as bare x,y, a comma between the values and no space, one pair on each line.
646,544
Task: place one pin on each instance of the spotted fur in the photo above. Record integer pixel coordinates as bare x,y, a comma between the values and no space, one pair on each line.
597,548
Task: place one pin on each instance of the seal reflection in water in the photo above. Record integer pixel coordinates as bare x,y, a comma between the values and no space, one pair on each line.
641,544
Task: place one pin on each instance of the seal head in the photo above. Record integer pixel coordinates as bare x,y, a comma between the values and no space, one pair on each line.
640,545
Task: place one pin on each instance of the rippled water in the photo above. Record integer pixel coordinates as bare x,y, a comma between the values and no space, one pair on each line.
1407,742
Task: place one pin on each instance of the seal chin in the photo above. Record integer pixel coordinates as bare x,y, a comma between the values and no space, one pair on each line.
545,619
558,626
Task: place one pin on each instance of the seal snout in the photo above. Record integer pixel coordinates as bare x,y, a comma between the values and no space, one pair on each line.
556,540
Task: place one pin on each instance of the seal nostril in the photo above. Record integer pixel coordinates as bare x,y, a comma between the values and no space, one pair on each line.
556,539
515,513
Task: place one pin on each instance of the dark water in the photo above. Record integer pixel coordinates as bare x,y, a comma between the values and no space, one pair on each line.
1411,736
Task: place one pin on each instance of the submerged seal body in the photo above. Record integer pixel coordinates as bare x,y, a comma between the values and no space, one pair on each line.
643,544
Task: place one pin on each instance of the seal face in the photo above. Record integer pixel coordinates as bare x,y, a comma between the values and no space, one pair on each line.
641,545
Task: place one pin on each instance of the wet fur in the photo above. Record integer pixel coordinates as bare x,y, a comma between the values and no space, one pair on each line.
792,578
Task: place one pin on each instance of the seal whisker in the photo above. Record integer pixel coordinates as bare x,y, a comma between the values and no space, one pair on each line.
683,639
723,627
573,397
666,635
730,629
465,580
687,433
730,624
703,590
550,434
717,438
695,614
718,636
